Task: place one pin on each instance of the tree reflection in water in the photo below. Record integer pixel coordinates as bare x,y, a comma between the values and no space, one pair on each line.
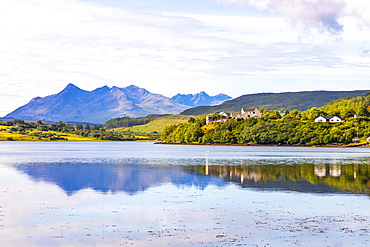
307,177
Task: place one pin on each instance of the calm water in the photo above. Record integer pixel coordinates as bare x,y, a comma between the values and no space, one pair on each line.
142,194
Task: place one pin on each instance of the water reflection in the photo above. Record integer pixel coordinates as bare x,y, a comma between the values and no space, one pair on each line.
139,194
105,177
139,175
312,178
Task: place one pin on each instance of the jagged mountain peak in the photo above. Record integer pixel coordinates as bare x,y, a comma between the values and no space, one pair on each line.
72,87
135,90
102,88
35,99
222,95
133,87
200,99
202,93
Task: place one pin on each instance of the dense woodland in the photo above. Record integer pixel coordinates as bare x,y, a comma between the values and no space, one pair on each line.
274,128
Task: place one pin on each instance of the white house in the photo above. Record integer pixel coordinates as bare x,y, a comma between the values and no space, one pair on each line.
250,112
329,119
227,114
244,113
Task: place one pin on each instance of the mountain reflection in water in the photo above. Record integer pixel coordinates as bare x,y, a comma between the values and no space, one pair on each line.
114,178
135,176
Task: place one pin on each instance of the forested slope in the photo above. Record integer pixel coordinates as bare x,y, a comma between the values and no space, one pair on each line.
294,128
301,101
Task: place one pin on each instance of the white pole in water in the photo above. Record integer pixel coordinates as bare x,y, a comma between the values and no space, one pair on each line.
207,165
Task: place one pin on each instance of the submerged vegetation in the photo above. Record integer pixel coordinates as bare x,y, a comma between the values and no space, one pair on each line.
293,128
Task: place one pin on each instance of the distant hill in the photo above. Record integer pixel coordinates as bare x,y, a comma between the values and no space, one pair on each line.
200,99
277,101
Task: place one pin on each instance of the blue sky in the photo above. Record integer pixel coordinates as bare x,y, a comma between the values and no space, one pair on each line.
219,46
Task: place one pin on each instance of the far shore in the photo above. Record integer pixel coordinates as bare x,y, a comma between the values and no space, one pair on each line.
362,145
77,141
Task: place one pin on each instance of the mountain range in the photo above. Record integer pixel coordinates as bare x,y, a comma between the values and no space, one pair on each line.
73,104
104,103
200,99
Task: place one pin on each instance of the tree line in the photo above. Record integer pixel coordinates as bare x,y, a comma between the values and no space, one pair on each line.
41,130
275,128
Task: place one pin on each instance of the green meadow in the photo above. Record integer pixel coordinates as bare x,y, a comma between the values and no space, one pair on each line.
157,125
7,134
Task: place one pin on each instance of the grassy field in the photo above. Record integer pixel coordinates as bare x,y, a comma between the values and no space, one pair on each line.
157,125
35,135
149,131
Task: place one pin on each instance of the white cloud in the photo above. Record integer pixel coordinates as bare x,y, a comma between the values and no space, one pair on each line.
46,45
323,14
360,9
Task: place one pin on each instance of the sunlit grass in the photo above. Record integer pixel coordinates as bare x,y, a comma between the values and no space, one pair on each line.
7,135
157,125
205,128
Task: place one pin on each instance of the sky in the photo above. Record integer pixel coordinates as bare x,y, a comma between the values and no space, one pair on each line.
234,47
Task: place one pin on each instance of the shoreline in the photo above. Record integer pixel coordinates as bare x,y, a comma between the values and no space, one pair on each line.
269,145
76,141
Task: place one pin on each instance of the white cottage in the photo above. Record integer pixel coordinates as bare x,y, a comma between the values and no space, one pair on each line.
329,119
250,112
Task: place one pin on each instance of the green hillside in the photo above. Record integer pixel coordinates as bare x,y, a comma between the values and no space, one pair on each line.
348,107
291,128
156,125
277,101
